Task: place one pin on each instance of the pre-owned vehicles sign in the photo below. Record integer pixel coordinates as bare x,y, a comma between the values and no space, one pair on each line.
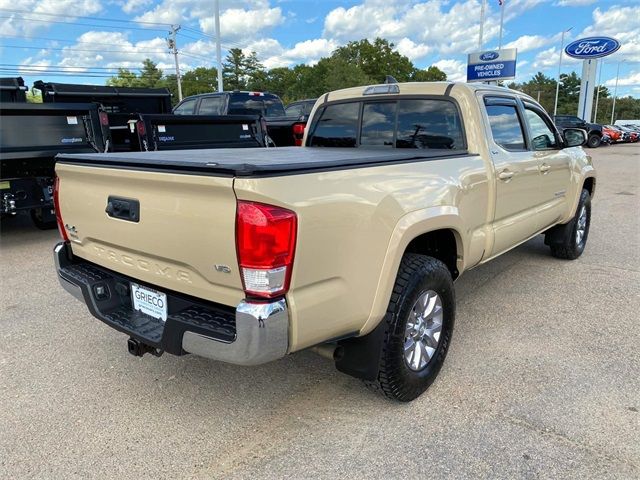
492,65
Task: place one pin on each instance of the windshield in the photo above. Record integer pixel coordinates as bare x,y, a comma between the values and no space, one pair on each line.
245,104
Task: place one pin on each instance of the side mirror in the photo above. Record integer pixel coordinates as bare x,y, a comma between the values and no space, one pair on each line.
574,137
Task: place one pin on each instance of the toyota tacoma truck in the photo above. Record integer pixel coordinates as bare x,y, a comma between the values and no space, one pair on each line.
349,245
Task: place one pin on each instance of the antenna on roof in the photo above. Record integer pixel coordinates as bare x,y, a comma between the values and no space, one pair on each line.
389,79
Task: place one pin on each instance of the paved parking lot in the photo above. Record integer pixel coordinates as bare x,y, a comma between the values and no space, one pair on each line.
542,379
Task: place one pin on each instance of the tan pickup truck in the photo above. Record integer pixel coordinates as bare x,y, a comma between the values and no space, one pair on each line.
349,245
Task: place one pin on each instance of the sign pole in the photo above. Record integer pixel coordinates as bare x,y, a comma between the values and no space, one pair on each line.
555,103
480,42
615,93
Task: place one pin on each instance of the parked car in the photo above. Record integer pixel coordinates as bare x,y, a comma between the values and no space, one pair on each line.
282,129
615,134
350,251
594,130
631,133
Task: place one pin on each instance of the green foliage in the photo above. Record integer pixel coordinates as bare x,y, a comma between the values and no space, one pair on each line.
34,96
431,74
239,70
150,76
355,64
544,88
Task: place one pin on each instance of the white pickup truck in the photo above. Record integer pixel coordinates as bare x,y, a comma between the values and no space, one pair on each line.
350,244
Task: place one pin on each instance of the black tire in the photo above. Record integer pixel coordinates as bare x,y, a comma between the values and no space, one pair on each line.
594,141
417,274
563,238
42,219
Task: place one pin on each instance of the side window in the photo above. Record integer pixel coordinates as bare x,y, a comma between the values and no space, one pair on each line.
506,127
429,124
378,122
337,126
186,107
210,105
542,137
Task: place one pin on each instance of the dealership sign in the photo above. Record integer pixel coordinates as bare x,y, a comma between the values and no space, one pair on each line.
492,65
592,47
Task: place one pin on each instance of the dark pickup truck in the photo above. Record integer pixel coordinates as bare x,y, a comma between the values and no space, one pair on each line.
13,90
594,130
283,130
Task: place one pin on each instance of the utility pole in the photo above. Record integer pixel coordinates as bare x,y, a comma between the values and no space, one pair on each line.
555,103
615,92
218,50
171,42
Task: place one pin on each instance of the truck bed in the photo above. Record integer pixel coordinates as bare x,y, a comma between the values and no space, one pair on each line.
257,161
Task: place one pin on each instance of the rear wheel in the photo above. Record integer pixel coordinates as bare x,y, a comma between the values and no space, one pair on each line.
418,328
593,141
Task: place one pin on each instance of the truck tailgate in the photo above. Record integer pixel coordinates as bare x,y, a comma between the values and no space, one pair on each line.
183,238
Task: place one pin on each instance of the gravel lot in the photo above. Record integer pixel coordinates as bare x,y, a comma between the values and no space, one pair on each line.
542,379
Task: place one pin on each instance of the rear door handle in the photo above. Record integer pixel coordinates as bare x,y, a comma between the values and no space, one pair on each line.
544,168
505,175
123,208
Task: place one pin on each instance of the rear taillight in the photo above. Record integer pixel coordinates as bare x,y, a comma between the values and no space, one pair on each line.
56,206
141,129
104,119
266,243
298,133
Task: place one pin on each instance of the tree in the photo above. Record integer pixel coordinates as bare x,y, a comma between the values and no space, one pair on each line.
431,74
568,93
239,69
376,60
124,78
150,76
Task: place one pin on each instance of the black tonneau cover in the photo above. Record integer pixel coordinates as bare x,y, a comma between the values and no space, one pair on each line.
257,161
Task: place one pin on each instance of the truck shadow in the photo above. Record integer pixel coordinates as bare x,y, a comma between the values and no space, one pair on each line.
19,230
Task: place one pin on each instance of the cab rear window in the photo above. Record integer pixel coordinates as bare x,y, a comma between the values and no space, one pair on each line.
408,123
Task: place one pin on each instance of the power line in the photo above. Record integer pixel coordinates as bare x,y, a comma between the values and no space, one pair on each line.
87,50
118,20
83,24
26,37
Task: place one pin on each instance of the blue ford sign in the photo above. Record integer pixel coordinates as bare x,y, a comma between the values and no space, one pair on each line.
488,56
592,47
492,65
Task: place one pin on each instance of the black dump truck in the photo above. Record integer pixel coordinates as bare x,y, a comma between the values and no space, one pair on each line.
31,135
88,119
140,119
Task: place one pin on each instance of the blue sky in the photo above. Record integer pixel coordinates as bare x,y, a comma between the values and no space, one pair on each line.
84,40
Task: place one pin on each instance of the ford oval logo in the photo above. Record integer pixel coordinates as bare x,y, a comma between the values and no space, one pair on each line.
592,47
488,56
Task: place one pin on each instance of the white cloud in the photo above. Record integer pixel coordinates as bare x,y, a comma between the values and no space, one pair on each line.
527,43
308,52
550,57
412,50
574,3
621,23
632,79
35,17
456,70
131,6
438,25
238,24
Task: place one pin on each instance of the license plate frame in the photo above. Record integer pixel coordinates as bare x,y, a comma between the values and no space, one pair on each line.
149,301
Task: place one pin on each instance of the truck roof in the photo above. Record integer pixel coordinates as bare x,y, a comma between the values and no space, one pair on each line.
256,161
420,88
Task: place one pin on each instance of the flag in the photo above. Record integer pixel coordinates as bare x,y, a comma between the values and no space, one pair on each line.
500,2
